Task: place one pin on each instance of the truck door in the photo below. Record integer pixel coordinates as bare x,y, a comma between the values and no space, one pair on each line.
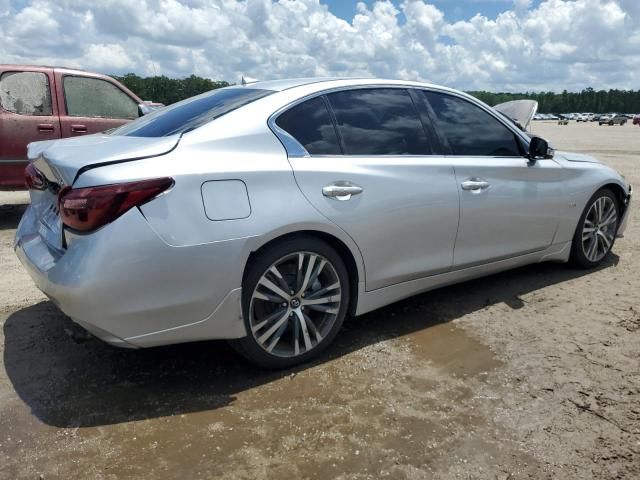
27,114
92,105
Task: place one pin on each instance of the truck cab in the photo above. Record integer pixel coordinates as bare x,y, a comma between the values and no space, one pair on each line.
46,103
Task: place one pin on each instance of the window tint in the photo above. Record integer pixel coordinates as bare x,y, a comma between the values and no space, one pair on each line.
378,121
191,113
470,130
25,93
310,124
92,97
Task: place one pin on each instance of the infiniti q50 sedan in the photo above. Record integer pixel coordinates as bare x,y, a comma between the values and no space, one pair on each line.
265,213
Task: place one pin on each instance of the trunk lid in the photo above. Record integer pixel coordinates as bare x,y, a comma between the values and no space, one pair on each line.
61,160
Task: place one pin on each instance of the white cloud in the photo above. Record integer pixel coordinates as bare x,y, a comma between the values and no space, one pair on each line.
558,44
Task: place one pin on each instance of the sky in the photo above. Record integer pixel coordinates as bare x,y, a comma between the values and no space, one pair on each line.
497,45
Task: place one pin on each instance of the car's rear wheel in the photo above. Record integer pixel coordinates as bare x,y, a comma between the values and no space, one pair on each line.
596,230
295,297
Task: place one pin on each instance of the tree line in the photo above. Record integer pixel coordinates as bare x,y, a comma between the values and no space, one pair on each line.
587,100
169,90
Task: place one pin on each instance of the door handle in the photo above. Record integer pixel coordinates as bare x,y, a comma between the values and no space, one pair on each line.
341,190
475,184
79,128
45,127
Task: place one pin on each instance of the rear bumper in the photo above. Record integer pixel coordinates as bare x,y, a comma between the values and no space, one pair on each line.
625,215
129,288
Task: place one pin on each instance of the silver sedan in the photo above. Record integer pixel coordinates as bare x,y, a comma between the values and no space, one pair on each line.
265,213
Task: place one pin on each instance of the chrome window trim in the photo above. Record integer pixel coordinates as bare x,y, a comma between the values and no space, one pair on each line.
295,150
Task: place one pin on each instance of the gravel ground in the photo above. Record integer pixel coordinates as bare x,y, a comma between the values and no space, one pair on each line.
533,373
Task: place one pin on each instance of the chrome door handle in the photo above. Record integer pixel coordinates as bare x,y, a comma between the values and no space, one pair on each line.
474,184
341,190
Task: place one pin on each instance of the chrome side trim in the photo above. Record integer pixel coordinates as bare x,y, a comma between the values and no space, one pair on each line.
290,144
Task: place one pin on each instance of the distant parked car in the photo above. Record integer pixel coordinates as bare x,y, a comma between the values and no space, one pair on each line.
614,119
47,103
636,119
583,117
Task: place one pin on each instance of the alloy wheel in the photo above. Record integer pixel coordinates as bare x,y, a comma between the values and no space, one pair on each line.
295,304
599,228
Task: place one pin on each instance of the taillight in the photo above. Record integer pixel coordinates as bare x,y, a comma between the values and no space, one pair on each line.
87,209
33,179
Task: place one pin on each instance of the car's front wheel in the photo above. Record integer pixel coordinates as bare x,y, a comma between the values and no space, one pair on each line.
294,300
596,230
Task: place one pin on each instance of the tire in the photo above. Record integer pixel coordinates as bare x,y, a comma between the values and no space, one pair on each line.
603,226
611,124
305,329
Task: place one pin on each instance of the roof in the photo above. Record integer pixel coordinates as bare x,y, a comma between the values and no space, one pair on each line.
329,82
286,83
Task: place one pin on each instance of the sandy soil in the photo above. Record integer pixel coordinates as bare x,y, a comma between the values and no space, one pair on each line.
533,373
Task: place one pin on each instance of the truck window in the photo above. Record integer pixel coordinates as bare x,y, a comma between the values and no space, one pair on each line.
25,93
93,97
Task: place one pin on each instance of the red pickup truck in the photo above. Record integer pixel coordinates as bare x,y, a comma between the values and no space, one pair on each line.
45,103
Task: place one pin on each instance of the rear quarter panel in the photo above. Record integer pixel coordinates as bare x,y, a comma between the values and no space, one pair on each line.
239,149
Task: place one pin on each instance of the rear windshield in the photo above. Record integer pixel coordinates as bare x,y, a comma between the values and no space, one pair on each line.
191,113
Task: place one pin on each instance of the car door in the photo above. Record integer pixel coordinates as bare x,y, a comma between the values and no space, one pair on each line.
27,114
509,206
92,105
364,162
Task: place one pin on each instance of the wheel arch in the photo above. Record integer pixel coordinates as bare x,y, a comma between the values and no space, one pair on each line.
620,194
355,269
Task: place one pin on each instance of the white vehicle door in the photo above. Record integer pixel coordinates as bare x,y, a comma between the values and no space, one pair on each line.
509,206
364,162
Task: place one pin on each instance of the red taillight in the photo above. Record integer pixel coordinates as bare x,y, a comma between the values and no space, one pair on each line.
86,209
33,179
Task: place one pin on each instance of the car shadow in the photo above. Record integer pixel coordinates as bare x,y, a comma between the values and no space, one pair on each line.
70,379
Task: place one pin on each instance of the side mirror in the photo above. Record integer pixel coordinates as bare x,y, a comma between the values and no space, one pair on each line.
144,109
539,149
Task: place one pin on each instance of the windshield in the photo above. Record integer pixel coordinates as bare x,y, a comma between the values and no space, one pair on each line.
191,113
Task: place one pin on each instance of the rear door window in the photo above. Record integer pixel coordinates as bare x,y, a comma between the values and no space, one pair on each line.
310,124
96,98
25,93
469,130
378,121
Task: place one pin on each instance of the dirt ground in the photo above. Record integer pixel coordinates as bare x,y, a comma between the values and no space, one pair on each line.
533,373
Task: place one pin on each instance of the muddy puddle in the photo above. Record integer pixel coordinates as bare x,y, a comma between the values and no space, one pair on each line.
187,411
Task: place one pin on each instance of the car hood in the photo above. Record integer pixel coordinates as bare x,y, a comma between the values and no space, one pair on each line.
575,157
61,160
521,111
